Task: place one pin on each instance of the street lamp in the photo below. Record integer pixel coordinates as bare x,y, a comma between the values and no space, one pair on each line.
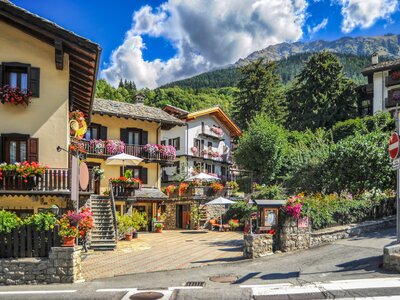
250,205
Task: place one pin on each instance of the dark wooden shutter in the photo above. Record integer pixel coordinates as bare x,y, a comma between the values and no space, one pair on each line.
169,142
145,137
103,133
34,81
124,135
33,149
1,77
144,175
178,143
2,158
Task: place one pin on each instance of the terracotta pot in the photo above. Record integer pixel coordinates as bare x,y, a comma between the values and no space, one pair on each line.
69,241
159,230
128,237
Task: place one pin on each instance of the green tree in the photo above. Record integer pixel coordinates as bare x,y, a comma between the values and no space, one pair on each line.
260,91
105,91
321,95
262,149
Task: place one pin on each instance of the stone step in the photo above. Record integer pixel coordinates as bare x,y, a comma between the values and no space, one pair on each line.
102,241
103,238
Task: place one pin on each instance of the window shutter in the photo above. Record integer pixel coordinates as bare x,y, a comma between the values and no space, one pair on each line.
34,81
33,149
2,159
178,143
143,175
1,77
169,142
124,135
103,133
145,137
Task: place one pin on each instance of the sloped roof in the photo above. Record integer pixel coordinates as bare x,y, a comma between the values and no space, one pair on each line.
220,115
137,111
150,194
84,55
386,65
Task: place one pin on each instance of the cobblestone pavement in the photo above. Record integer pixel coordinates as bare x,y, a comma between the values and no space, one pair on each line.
169,250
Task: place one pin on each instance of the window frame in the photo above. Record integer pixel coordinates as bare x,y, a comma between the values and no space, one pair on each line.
6,139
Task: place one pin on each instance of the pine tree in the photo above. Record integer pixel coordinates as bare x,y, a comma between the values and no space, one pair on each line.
260,91
321,95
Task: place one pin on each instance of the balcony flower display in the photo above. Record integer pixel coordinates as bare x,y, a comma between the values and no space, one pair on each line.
194,150
183,187
15,95
204,151
167,151
395,75
122,180
216,186
216,155
115,146
396,96
170,189
151,149
218,131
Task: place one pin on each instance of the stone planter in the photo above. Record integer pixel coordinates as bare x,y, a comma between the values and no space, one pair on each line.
128,237
68,241
198,191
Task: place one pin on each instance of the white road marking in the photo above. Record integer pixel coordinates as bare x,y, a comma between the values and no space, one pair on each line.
172,288
116,290
37,292
317,287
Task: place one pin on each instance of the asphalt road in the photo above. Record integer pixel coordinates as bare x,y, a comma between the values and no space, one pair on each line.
348,268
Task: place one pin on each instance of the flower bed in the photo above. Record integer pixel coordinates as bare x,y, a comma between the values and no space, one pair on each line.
14,96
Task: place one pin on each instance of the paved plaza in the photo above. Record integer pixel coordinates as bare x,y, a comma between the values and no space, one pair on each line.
169,250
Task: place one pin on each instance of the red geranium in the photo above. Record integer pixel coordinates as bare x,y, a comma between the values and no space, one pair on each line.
15,95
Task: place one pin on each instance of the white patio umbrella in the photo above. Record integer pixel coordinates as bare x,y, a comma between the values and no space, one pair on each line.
220,201
123,160
202,177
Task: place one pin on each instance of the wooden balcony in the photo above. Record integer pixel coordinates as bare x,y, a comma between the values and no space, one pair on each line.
389,81
53,182
225,158
392,99
202,192
100,149
124,190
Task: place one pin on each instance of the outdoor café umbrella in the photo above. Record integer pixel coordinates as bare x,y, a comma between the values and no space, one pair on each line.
123,160
202,177
220,201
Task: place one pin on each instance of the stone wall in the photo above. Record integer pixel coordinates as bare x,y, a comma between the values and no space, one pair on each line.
257,245
62,266
391,257
293,237
329,235
170,211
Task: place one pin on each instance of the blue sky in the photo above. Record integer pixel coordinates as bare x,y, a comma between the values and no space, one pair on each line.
157,41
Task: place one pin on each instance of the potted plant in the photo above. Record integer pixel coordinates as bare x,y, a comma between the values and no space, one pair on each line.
139,220
231,188
234,224
195,216
159,227
14,95
171,190
183,188
69,228
125,226
217,187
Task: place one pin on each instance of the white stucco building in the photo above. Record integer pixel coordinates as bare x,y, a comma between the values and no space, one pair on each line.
383,89
203,145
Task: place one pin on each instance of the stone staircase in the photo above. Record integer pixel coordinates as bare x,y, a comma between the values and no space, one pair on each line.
103,235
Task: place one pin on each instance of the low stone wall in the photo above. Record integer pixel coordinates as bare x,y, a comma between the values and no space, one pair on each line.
257,245
62,266
293,237
329,235
391,257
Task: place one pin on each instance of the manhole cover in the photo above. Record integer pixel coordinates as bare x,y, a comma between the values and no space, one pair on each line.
224,278
195,283
147,296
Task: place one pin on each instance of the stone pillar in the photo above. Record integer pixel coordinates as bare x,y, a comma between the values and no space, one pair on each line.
65,265
292,237
391,257
257,245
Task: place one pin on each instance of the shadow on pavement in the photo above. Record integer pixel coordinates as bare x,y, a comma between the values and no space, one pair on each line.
225,259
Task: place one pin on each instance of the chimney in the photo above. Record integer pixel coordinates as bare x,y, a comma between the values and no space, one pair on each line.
375,58
139,98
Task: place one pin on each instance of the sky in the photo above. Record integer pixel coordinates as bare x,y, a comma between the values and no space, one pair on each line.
153,42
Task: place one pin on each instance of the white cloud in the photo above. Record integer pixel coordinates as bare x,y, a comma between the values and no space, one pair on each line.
313,30
364,13
205,33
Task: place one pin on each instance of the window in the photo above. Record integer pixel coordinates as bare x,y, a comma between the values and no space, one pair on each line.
137,172
15,148
16,77
209,168
93,132
209,144
163,143
175,142
134,137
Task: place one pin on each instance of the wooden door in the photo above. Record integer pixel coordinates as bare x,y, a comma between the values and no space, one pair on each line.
186,216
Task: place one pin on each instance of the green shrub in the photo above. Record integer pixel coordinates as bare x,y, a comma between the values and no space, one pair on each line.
347,128
239,211
41,221
8,221
271,192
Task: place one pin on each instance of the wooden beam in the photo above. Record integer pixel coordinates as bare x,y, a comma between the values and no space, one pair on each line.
82,81
59,54
90,63
78,74
82,69
80,85
82,93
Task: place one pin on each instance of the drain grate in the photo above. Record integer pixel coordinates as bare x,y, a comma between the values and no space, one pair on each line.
195,283
224,278
146,296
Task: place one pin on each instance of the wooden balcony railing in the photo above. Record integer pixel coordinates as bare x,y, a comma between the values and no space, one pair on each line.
391,81
52,181
124,190
202,192
100,149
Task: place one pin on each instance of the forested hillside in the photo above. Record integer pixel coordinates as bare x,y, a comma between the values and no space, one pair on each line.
287,68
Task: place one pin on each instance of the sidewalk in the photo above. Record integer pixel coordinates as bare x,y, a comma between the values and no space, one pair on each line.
167,251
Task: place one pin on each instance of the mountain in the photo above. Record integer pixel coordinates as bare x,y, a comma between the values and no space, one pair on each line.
354,54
